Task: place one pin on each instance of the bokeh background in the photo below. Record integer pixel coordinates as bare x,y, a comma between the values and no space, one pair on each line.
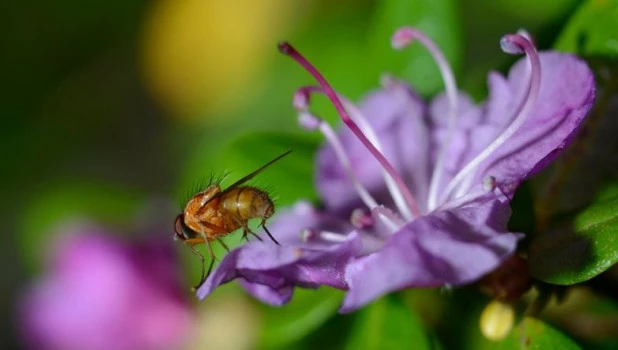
113,110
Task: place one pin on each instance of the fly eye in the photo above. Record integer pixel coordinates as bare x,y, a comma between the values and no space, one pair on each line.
178,228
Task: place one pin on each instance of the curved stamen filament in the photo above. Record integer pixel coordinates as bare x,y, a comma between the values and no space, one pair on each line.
513,44
310,121
401,39
288,50
301,100
335,143
310,235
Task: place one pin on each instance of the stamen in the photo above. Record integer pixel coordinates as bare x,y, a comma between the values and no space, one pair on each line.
513,44
308,235
301,101
308,119
397,196
388,218
288,50
489,183
361,218
401,39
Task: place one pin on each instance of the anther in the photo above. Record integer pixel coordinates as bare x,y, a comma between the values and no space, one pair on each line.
360,218
307,235
387,81
489,183
308,121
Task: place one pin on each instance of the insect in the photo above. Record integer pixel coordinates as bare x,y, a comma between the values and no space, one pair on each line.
212,214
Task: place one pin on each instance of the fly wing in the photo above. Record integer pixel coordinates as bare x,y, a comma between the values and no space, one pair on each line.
259,170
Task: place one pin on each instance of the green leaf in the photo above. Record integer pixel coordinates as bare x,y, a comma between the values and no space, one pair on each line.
387,324
307,311
532,333
70,202
534,10
581,251
437,19
592,30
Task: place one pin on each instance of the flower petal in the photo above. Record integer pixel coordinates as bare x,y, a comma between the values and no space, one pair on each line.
295,263
450,247
566,95
267,294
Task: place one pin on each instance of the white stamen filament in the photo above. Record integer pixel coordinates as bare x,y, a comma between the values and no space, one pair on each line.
459,201
401,39
364,125
510,44
335,143
311,235
333,236
311,121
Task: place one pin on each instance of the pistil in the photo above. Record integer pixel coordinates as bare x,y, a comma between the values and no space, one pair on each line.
288,50
301,101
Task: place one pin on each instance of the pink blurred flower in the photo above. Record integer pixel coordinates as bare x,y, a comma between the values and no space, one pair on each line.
102,293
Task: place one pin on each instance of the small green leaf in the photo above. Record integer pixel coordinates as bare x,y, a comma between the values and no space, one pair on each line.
581,251
534,10
387,324
532,333
592,30
437,19
307,311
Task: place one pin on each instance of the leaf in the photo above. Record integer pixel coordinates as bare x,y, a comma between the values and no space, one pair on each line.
592,30
437,19
532,333
535,11
387,324
585,249
307,311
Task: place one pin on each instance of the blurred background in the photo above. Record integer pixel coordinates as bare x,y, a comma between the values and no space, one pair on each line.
112,110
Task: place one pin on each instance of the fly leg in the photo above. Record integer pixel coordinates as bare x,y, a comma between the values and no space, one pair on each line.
263,224
191,243
246,230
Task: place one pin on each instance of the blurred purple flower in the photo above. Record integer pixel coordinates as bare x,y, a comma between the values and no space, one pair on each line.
417,196
101,293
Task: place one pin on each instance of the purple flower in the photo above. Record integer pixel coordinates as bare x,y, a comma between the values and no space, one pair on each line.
100,293
416,195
